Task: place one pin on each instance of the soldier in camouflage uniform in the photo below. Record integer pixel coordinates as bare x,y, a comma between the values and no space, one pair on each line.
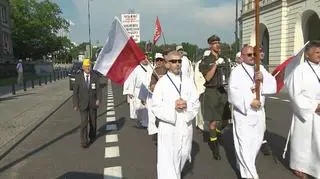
214,100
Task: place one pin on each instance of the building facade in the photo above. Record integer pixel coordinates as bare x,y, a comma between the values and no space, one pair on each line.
285,26
6,51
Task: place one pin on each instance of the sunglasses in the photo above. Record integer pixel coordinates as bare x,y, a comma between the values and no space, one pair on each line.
175,61
251,54
159,59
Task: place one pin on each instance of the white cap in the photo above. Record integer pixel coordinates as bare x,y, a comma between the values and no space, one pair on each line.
20,60
238,55
158,55
179,47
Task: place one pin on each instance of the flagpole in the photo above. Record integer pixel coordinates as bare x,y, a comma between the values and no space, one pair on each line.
257,49
164,39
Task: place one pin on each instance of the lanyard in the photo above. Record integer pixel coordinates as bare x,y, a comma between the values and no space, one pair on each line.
178,90
313,70
247,73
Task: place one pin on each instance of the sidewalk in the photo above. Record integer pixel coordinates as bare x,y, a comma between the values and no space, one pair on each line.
22,112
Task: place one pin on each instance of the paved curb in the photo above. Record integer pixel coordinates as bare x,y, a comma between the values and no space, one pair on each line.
9,146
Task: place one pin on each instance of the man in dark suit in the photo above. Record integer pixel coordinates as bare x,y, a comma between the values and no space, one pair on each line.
86,99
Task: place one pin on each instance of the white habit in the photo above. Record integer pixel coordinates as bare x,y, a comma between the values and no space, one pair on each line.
303,87
175,128
138,79
249,125
126,91
199,81
186,68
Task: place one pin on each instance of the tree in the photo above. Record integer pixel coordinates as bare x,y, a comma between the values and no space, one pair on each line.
35,27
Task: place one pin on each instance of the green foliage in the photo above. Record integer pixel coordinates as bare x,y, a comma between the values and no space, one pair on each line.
35,27
194,53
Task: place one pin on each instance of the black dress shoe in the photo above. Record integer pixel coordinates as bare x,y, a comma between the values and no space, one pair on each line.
91,141
84,146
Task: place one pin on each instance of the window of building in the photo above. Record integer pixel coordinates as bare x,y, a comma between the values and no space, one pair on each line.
3,15
6,43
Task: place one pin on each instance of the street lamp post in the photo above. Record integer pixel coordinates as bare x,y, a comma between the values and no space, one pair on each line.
89,30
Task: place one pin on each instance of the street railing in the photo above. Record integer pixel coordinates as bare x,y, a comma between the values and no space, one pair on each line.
54,76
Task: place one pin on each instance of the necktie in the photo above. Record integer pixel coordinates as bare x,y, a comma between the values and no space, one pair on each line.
87,81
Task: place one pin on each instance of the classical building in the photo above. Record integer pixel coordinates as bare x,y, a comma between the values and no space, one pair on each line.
285,26
6,51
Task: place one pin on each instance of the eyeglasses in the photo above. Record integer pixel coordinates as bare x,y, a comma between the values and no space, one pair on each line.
251,54
175,61
159,59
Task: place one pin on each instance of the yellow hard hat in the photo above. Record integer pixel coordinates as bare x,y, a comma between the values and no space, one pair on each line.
86,62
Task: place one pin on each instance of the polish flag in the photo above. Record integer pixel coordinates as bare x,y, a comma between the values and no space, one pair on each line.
157,32
285,69
120,54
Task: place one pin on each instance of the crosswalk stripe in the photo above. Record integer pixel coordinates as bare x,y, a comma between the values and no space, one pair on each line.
111,119
111,127
111,138
111,152
113,173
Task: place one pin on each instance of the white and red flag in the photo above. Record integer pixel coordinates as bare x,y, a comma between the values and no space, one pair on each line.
157,32
285,69
119,55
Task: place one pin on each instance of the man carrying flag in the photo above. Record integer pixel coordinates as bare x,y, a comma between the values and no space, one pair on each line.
303,86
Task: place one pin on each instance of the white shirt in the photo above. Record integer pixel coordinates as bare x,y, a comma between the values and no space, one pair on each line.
19,67
85,77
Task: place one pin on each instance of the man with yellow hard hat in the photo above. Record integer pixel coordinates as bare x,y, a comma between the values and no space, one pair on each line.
86,99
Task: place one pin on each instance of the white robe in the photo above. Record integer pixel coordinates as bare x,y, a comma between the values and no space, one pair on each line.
304,91
139,79
175,128
186,68
127,92
249,125
199,81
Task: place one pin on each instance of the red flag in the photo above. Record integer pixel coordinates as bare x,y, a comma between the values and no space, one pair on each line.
157,32
120,54
283,71
278,73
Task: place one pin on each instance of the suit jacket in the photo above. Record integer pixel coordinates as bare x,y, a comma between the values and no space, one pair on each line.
84,97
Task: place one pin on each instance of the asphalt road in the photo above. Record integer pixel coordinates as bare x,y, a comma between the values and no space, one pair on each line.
124,151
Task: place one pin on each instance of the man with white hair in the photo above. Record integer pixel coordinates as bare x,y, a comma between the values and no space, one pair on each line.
175,102
186,66
19,69
303,86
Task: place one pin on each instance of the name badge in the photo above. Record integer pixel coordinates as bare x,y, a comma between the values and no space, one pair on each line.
93,86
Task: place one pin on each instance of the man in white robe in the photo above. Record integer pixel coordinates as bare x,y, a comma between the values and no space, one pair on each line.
200,81
249,115
127,92
186,65
303,87
175,103
136,89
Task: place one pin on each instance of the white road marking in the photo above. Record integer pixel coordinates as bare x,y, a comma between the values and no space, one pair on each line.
112,173
111,127
273,97
111,113
111,119
111,138
111,152
286,100
110,108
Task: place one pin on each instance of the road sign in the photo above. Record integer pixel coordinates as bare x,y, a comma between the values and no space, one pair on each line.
131,22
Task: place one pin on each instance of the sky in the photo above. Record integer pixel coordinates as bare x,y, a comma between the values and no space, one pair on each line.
190,21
